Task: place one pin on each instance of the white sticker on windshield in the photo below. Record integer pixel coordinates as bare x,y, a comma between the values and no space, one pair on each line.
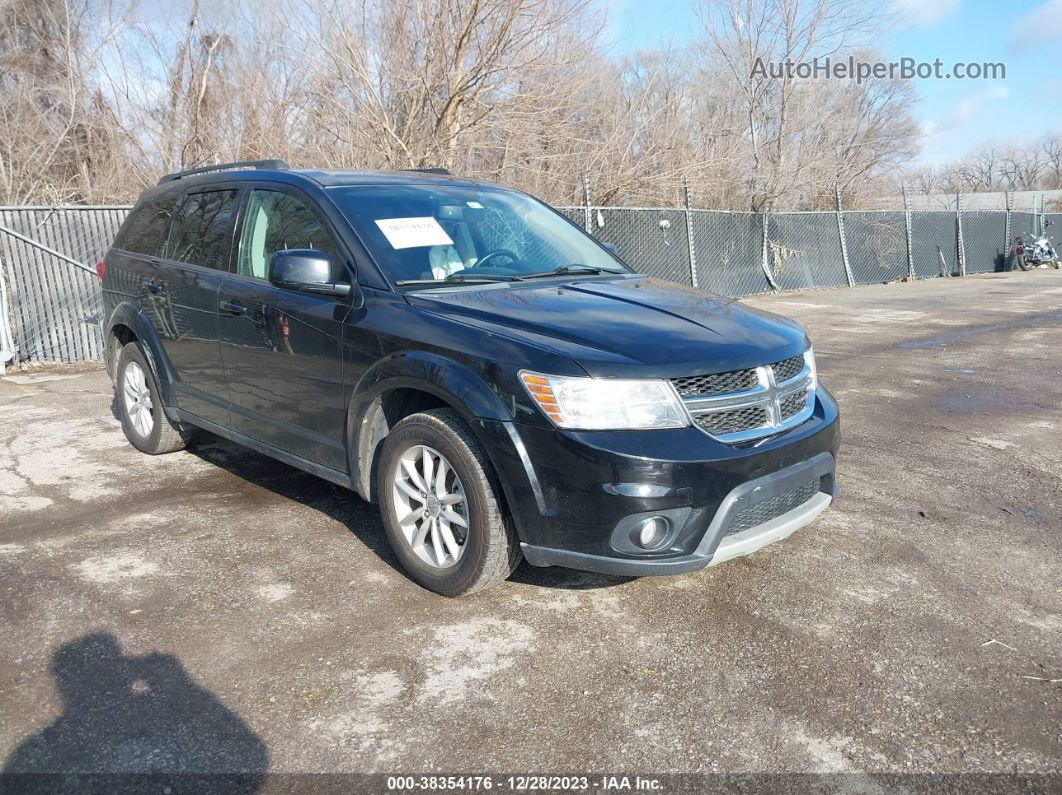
475,205
414,232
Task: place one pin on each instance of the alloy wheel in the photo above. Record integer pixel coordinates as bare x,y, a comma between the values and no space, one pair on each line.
430,504
137,397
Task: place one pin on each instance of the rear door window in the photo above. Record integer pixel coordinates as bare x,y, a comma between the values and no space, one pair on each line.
202,230
146,231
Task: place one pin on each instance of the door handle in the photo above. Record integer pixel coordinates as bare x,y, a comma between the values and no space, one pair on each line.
154,287
235,307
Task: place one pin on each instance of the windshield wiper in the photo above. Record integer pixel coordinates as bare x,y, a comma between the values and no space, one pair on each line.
566,270
455,278
460,278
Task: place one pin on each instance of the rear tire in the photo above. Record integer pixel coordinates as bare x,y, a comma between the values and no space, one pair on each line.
436,551
144,423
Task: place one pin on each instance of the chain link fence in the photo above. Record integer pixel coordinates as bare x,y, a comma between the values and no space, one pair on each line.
50,302
654,242
47,257
934,244
728,252
804,250
984,235
877,246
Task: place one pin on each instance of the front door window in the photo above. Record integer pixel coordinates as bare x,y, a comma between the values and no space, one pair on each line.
277,221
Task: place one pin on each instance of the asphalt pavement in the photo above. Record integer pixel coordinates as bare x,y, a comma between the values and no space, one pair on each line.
213,610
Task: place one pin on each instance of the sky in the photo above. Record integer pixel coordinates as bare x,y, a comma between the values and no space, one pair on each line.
956,116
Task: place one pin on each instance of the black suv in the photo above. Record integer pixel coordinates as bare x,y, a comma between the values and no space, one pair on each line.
498,381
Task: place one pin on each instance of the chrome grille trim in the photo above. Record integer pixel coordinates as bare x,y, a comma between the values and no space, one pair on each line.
788,369
780,401
721,423
715,384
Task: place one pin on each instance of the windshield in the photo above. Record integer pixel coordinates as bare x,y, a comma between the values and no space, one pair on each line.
423,234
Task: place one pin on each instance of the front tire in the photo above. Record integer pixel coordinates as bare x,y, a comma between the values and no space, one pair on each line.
144,423
440,506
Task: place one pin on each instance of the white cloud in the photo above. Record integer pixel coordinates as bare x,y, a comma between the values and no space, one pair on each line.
970,108
938,133
923,13
1039,27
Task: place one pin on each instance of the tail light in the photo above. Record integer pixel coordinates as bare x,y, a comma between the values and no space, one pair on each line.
101,266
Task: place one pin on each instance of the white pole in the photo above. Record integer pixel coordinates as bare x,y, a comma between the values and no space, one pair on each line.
7,343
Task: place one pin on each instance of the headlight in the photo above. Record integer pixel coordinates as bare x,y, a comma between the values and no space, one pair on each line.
809,360
597,404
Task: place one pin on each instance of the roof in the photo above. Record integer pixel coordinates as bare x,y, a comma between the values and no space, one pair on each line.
323,178
273,169
330,178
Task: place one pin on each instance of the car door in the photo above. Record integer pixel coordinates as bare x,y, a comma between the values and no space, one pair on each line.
197,257
281,349
135,265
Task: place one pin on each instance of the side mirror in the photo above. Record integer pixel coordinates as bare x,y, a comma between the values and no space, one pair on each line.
612,248
305,270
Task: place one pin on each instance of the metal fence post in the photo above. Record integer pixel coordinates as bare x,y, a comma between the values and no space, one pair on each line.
1006,233
586,202
689,232
7,338
840,232
960,243
910,237
763,254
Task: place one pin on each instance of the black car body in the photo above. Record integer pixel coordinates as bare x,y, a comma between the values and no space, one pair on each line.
319,377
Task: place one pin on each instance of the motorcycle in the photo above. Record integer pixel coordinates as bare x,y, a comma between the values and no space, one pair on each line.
1038,254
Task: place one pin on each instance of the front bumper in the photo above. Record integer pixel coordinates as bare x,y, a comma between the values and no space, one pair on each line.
572,494
717,544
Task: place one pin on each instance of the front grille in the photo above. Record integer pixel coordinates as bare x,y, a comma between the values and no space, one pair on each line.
717,384
792,405
771,508
719,423
769,399
787,368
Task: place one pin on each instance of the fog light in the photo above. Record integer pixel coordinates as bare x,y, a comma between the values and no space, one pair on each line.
652,532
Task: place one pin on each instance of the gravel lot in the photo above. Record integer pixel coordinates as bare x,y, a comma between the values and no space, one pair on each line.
214,610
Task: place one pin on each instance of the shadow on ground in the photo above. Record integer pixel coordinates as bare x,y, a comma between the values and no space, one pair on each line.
130,722
358,516
341,505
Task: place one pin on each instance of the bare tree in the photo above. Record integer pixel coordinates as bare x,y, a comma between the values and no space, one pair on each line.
47,120
789,139
101,96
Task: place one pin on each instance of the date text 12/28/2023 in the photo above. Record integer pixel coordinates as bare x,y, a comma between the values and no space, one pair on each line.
521,783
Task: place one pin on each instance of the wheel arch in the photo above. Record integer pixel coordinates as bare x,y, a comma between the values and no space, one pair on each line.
128,323
405,384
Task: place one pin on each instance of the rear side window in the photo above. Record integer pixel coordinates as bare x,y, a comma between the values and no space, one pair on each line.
202,230
146,231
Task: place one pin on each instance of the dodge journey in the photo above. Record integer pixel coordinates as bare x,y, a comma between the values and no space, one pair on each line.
501,384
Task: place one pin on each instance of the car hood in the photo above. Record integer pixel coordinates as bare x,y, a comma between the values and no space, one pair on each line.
627,326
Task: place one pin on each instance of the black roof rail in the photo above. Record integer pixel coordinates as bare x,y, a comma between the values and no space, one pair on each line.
276,165
432,170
